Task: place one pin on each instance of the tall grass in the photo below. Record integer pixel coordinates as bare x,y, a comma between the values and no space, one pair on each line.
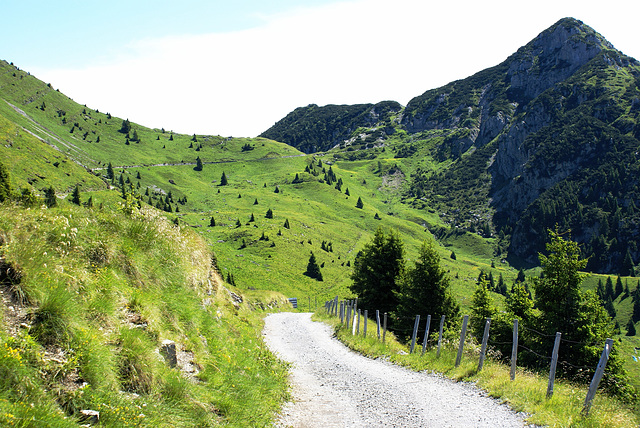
102,291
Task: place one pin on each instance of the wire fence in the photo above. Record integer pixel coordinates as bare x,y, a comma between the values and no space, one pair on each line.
350,315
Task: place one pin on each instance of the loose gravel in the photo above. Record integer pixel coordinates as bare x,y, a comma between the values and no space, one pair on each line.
333,386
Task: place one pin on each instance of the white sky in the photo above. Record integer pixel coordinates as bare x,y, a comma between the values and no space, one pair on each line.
241,76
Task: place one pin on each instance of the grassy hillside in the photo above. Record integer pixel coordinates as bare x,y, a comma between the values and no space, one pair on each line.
89,299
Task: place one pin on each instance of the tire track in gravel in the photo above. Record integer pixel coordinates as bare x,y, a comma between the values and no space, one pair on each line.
335,387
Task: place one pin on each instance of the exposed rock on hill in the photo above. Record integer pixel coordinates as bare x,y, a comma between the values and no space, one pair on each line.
313,129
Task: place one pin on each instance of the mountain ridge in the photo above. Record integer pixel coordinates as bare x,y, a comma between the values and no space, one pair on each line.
552,112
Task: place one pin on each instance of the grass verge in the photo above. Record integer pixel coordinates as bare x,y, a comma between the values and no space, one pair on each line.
526,394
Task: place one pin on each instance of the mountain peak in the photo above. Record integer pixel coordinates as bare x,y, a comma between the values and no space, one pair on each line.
570,31
553,56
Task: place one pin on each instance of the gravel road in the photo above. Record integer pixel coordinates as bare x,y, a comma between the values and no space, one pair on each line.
335,387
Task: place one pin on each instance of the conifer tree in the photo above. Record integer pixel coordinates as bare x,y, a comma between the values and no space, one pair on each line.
519,302
223,179
608,290
426,289
255,202
252,219
286,224
619,287
75,196
481,308
313,270
269,213
126,127
6,192
359,204
627,265
110,172
198,164
50,199
564,307
377,270
600,291
631,328
212,222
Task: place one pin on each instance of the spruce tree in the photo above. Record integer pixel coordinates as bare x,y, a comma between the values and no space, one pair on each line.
631,328
313,270
579,315
198,164
627,265
212,222
75,196
619,287
600,291
269,213
377,270
223,179
110,172
481,308
6,192
426,289
50,199
608,290
126,127
359,204
286,224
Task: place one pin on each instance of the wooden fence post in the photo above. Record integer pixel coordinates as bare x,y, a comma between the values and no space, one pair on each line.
353,324
440,335
378,322
463,334
384,327
348,314
485,339
366,319
415,334
426,334
554,363
608,345
358,324
514,349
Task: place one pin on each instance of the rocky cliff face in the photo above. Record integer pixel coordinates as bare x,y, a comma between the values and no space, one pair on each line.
552,111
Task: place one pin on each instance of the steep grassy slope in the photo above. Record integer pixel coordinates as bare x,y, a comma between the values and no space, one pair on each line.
90,297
